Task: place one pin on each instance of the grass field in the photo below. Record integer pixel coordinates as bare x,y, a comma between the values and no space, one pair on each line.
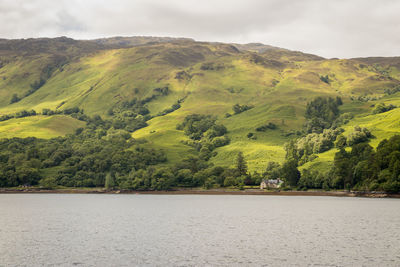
39,126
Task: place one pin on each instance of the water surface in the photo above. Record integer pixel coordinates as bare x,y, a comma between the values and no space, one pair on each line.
197,230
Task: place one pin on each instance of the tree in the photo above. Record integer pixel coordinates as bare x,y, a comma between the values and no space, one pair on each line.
321,112
241,164
240,108
341,141
290,172
359,135
14,98
342,169
48,182
230,181
110,181
273,170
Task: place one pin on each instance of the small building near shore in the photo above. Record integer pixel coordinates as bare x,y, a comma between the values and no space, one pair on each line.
271,183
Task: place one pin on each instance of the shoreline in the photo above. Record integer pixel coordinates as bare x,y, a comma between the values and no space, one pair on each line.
199,192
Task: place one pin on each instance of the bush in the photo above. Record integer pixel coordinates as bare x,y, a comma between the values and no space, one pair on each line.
263,128
391,187
325,79
359,135
241,108
230,181
14,99
220,141
381,108
48,183
196,125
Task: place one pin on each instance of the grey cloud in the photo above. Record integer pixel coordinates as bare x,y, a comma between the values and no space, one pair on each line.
335,28
68,23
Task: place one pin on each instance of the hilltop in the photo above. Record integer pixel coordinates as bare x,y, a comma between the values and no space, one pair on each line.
176,77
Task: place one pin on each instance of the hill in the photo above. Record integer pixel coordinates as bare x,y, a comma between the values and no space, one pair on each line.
177,77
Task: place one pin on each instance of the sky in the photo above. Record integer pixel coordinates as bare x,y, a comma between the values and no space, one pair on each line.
334,28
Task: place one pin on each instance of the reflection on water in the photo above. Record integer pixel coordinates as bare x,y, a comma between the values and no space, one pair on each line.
163,230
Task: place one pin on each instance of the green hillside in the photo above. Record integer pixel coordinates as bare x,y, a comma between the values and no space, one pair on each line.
205,78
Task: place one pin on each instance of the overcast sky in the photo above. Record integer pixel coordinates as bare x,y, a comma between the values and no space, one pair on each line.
334,28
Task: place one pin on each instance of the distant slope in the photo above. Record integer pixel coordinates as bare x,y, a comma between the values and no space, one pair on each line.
121,42
39,127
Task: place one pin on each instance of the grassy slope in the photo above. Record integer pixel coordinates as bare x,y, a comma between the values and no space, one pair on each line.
39,126
279,93
382,126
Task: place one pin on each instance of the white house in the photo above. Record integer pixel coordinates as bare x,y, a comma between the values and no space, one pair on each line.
272,183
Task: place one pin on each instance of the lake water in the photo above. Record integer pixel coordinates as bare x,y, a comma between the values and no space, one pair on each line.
197,230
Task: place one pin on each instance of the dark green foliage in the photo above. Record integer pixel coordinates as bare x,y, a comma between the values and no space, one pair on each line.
130,115
159,92
364,169
194,164
48,183
6,117
174,107
109,181
306,147
341,141
48,112
183,75
218,141
241,108
325,79
359,135
162,91
380,108
70,111
196,125
273,170
321,113
212,66
19,114
25,113
392,91
81,159
269,126
14,99
241,165
35,86
342,119
339,101
342,170
206,135
290,173
311,180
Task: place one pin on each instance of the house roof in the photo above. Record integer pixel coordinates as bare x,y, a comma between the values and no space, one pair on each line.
271,181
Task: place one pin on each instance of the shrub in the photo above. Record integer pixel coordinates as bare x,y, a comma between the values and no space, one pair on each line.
263,128
359,135
14,99
325,79
381,107
241,108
